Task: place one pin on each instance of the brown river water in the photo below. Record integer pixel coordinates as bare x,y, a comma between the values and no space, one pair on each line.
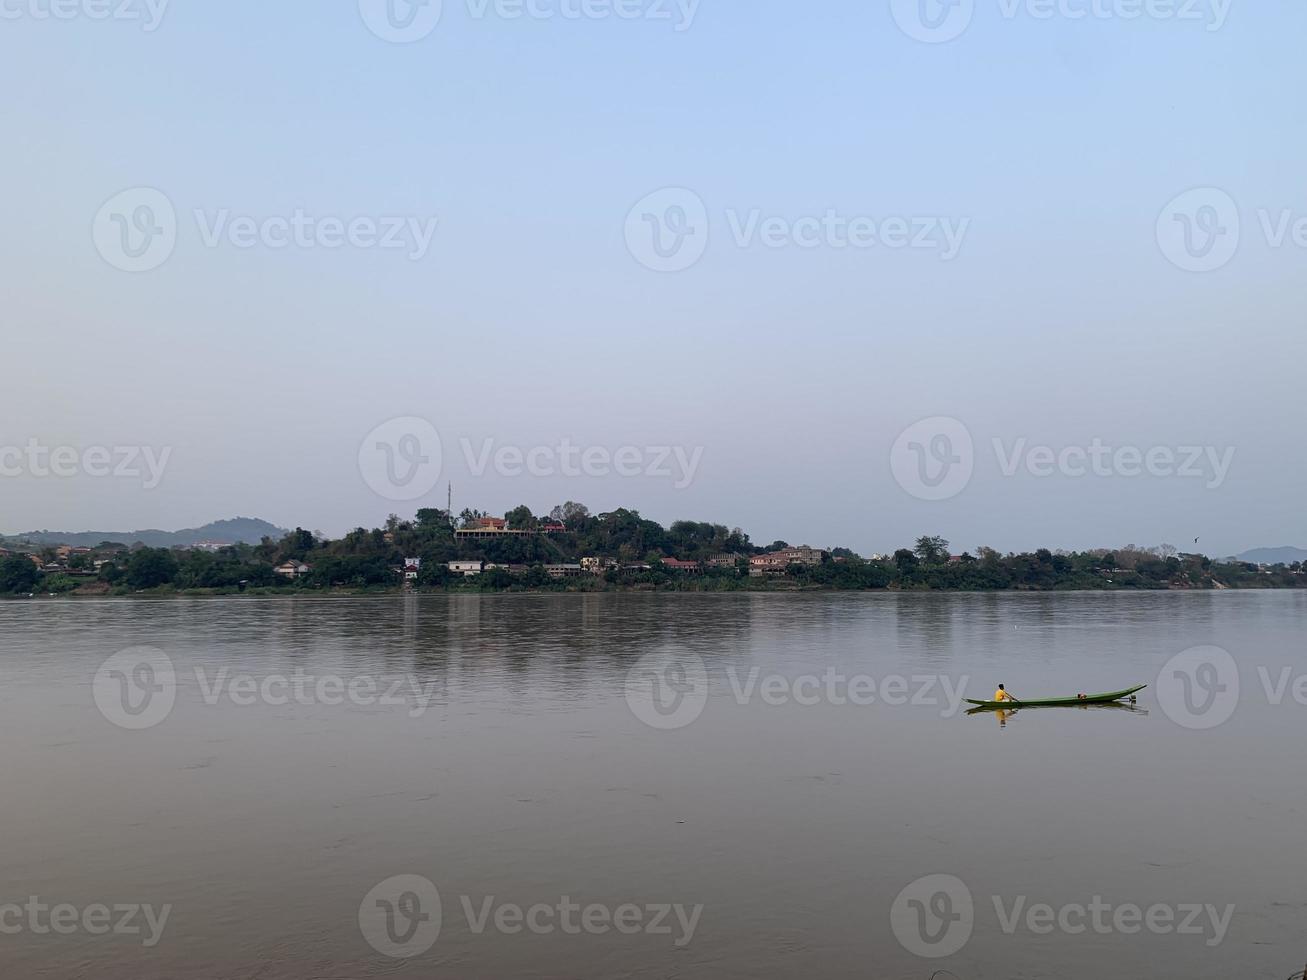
660,786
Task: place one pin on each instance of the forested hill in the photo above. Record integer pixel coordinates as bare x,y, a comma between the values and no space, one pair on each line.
237,530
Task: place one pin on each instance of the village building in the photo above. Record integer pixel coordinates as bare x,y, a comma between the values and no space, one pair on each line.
676,565
776,562
563,571
489,527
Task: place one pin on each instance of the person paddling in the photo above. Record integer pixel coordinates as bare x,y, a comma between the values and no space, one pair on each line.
1002,695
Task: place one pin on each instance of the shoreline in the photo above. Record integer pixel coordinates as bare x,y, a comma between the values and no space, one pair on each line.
387,593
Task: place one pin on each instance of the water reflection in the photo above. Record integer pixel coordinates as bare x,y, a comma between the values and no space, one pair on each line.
794,824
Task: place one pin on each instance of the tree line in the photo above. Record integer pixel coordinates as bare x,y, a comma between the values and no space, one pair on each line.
369,558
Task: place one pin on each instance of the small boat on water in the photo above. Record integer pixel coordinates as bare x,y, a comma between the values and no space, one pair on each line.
1079,699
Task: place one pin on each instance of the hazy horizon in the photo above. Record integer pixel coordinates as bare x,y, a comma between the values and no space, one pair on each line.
774,241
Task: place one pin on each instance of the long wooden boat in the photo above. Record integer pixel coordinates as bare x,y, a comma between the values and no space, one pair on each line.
1059,702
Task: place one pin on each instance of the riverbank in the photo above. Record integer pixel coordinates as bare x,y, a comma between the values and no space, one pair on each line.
600,588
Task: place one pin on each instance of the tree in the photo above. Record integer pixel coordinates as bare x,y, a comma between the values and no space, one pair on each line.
521,519
18,574
298,543
150,568
932,550
569,513
906,561
431,519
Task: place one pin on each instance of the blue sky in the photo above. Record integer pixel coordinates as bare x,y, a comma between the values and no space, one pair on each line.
1056,142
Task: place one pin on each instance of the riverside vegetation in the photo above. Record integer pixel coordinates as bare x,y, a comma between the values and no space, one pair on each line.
634,549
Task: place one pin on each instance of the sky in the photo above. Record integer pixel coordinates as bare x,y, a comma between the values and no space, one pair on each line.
1021,273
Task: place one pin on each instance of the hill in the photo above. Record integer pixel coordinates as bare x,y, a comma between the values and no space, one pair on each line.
237,530
1274,556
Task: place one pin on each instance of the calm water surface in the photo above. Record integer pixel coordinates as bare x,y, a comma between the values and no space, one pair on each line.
529,776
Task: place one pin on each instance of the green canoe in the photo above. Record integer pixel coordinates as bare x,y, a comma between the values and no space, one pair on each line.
1059,702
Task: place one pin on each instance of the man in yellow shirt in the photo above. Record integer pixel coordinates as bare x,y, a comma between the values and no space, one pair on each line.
1002,695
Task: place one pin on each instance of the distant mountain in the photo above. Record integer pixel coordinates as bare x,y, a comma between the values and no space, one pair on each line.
1274,556
238,530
